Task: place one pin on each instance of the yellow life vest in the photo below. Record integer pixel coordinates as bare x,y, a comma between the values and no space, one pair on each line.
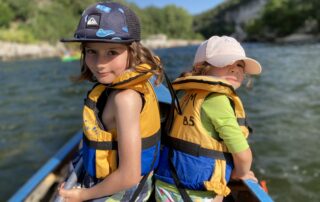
100,146
188,135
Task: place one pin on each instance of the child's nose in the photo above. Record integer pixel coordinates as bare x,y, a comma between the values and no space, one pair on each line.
101,60
101,66
234,70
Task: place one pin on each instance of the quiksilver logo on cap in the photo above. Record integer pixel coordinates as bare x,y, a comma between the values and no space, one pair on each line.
92,22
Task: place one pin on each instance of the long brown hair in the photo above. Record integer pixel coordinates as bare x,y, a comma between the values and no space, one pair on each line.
197,70
138,54
202,69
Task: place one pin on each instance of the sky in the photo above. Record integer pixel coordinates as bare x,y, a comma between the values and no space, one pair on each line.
192,6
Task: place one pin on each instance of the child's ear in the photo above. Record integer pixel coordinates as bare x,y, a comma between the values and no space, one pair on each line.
249,82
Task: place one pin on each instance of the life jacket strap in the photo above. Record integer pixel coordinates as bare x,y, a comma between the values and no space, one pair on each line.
105,145
151,140
145,177
93,106
244,122
90,103
196,150
113,145
179,185
136,77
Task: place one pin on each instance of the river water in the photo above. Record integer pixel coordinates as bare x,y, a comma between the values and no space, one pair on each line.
40,109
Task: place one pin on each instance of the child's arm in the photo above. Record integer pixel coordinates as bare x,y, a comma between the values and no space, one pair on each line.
127,106
242,165
222,117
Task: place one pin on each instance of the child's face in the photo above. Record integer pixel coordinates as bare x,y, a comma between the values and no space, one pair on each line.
106,61
234,73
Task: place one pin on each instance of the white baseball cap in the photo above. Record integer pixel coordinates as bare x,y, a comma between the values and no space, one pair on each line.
223,51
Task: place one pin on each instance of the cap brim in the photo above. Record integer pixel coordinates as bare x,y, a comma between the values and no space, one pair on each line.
97,40
252,66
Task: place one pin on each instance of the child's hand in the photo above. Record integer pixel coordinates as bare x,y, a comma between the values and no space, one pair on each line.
71,195
248,175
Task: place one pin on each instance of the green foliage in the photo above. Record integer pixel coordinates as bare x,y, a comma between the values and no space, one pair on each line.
47,20
75,6
6,15
52,22
152,21
22,9
178,22
284,24
19,36
283,17
170,20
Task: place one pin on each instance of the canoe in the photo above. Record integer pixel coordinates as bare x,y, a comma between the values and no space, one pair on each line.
70,58
42,186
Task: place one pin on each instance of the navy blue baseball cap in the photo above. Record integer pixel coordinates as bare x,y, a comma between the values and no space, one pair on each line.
107,22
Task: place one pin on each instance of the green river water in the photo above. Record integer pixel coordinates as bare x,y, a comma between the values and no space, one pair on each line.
40,109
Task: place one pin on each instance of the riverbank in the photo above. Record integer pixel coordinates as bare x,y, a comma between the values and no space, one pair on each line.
13,51
161,41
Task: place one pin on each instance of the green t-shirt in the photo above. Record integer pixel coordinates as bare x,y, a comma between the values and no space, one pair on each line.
218,118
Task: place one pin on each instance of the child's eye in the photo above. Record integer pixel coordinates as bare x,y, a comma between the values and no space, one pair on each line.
240,65
112,52
90,51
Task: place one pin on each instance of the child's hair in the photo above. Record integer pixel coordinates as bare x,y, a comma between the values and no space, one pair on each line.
197,70
138,54
202,69
111,22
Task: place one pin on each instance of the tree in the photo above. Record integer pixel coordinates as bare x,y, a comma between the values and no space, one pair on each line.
6,15
53,22
22,9
284,17
178,22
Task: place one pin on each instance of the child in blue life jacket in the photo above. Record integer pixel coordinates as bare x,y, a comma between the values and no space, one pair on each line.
206,144
121,121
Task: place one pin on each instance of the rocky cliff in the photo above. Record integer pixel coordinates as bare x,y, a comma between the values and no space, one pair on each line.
241,15
229,18
262,20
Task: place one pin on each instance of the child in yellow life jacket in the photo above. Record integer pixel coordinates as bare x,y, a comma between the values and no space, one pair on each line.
121,121
206,144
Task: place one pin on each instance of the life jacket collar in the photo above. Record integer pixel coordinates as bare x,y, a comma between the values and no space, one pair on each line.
139,74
